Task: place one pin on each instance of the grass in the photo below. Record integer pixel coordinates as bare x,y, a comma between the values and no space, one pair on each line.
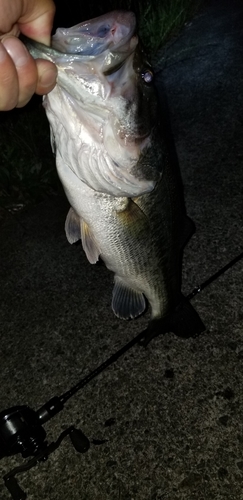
27,165
159,19
171,14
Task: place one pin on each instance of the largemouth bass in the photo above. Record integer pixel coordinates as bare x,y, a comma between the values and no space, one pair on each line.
113,161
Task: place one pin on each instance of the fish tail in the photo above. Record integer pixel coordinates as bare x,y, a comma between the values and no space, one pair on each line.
183,321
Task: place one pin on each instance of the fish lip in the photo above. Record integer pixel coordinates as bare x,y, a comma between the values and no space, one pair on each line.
60,53
123,17
111,30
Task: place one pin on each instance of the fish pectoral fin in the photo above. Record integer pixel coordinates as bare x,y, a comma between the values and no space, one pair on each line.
183,321
126,302
89,243
72,227
134,219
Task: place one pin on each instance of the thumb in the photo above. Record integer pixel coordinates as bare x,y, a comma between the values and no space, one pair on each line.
37,20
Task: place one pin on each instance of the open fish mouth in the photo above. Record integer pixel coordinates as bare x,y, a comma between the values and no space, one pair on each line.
91,38
105,41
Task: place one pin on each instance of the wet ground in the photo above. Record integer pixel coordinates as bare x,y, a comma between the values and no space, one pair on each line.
164,422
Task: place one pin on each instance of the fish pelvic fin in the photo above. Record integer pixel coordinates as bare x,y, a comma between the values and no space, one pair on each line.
72,227
126,302
89,244
183,321
76,229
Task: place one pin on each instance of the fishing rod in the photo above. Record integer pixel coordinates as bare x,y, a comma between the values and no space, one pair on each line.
21,428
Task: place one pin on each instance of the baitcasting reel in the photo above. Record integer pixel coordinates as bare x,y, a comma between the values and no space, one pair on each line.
21,431
21,428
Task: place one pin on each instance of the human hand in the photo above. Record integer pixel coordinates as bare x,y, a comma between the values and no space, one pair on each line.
20,75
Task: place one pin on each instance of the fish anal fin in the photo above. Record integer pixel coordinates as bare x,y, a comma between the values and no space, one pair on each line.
72,226
183,321
126,302
89,244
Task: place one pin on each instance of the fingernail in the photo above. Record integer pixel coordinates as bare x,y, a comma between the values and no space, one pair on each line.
16,50
48,77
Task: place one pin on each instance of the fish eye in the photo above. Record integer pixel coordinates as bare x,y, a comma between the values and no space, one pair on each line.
147,75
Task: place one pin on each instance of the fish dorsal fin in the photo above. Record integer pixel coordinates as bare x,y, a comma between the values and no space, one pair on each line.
126,302
89,243
72,227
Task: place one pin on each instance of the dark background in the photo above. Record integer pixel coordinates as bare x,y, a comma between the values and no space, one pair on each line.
71,12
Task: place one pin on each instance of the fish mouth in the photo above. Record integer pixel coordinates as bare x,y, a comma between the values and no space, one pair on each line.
91,38
107,41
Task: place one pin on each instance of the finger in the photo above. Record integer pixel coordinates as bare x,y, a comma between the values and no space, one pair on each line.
26,69
37,20
34,18
14,31
10,12
9,87
47,74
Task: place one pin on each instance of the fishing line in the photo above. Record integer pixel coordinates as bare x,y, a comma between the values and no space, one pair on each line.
21,428
215,276
114,357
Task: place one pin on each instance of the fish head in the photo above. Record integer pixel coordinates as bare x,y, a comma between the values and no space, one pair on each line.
104,99
88,53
